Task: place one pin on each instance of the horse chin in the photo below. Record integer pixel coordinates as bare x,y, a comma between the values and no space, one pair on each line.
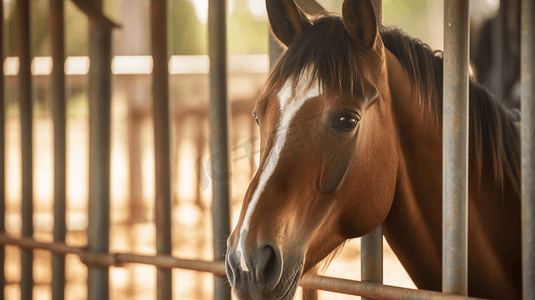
284,289
292,287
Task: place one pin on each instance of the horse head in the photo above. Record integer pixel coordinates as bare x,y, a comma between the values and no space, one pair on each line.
329,154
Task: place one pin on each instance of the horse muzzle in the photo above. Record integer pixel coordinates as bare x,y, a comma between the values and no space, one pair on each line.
258,275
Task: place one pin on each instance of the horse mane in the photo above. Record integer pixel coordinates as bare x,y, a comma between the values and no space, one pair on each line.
333,65
493,127
320,63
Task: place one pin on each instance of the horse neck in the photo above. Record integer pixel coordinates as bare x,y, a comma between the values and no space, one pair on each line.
415,215
413,227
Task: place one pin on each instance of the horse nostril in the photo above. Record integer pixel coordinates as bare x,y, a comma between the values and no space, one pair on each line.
269,267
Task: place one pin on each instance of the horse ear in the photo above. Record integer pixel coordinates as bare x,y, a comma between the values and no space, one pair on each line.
287,20
360,21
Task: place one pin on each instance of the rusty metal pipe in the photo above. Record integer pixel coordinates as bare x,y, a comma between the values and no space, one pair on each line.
310,7
338,285
219,136
455,148
372,290
99,155
528,147
378,6
57,40
162,142
371,255
26,123
275,50
2,161
371,245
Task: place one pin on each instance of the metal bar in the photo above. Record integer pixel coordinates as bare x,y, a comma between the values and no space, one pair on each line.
275,50
371,245
372,290
93,10
528,147
200,145
57,40
310,7
331,284
26,107
219,136
371,256
455,148
2,160
116,259
378,6
310,293
99,153
162,142
500,53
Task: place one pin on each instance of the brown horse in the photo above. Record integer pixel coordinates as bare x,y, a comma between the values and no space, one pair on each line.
352,138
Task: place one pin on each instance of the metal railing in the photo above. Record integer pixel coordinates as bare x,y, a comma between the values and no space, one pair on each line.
350,287
97,256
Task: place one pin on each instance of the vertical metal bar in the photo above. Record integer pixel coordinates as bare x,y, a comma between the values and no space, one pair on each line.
371,245
528,147
500,52
162,141
2,158
200,144
455,148
378,6
275,50
58,109
371,253
99,153
310,294
310,7
25,90
219,136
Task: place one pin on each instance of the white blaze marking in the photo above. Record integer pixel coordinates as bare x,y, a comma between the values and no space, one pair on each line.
288,107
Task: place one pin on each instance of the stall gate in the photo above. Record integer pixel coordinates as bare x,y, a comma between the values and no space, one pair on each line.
97,256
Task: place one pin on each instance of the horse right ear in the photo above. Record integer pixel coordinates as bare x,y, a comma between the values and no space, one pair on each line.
287,20
360,22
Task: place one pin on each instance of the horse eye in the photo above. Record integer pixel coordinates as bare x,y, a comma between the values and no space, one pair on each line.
346,123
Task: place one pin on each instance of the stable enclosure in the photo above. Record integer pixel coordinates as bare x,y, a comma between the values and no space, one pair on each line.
168,136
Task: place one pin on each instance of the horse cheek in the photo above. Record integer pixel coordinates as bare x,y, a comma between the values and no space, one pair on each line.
370,184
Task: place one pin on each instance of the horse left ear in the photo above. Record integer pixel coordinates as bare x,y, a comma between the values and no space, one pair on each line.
287,20
360,22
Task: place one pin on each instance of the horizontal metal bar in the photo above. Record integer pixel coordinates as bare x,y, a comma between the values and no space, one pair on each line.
331,284
372,290
116,259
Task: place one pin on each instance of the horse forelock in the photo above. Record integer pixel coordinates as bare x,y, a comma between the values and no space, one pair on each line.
323,55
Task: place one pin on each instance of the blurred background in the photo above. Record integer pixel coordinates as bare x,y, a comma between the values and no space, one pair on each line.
132,153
